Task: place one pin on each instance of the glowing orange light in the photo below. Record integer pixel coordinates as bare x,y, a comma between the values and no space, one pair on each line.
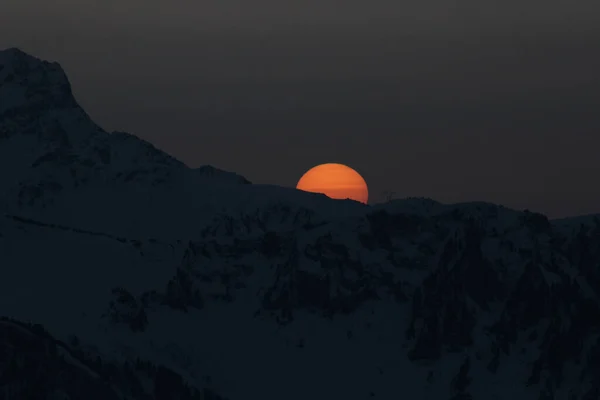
337,181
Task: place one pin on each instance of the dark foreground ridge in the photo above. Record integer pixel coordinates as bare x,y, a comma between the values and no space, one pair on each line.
34,365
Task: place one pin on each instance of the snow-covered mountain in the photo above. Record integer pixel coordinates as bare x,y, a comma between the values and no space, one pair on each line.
124,274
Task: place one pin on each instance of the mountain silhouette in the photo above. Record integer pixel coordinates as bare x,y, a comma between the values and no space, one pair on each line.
125,274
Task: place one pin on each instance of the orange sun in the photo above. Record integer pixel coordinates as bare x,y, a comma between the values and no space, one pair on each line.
336,181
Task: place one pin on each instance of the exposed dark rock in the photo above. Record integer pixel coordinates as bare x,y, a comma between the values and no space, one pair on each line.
128,310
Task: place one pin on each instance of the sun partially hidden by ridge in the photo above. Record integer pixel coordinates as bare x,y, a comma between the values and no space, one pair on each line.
337,181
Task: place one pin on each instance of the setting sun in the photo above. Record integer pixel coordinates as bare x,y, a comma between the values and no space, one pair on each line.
337,181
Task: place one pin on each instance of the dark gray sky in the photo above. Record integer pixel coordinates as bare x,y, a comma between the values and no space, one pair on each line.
455,100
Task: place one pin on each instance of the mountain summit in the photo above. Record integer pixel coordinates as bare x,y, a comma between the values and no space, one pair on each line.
53,155
31,86
124,274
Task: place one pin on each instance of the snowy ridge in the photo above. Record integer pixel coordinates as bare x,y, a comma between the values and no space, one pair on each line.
208,171
150,280
50,148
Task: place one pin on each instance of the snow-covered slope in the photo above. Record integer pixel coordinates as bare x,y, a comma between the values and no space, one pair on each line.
153,280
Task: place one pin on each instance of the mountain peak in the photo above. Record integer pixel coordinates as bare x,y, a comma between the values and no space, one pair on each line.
30,85
50,146
14,52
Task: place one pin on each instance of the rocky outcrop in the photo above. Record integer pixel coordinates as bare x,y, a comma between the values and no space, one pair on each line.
34,365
